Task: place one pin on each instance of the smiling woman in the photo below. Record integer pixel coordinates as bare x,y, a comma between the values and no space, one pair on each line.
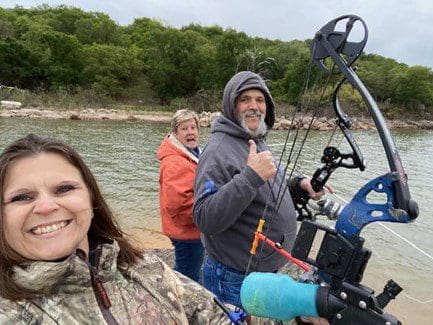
63,255
47,208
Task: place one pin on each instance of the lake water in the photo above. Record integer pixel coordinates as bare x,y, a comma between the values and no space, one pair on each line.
122,156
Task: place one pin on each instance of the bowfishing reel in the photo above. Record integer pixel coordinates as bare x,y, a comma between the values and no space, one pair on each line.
340,263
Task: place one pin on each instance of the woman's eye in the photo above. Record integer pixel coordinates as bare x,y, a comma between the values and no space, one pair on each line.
21,197
64,189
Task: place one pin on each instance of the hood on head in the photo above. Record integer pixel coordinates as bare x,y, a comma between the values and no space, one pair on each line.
243,81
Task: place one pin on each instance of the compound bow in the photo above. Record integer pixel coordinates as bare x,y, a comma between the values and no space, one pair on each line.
341,259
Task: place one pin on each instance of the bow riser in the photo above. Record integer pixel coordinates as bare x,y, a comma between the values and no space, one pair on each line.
359,212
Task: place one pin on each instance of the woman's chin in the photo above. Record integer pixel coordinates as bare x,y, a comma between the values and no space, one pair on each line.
52,254
191,144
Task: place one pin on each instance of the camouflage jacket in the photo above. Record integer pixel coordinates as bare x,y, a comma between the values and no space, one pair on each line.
74,292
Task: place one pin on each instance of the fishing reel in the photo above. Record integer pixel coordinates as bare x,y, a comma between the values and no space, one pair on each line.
340,264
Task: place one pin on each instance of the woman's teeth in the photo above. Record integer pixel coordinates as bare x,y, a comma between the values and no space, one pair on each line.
48,229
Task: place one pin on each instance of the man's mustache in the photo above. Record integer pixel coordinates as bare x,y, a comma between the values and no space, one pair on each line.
253,112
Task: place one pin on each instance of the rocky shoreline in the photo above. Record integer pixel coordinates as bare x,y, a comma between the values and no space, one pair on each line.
206,118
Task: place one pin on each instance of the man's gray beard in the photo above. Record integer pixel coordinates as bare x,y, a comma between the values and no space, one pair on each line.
261,130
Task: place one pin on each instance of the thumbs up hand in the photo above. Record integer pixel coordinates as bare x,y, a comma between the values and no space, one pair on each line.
262,163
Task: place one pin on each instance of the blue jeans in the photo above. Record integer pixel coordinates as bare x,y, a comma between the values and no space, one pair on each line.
223,281
188,257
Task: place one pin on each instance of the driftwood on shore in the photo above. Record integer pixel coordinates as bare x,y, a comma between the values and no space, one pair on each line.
206,118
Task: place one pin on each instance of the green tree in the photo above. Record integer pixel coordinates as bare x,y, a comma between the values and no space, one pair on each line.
284,53
6,24
229,50
110,69
67,47
413,86
61,55
254,60
213,33
98,29
294,78
175,62
142,29
20,66
376,73
63,19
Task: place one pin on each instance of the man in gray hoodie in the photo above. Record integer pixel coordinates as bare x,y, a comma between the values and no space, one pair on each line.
232,185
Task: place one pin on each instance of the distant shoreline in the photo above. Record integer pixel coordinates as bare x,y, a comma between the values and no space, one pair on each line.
321,123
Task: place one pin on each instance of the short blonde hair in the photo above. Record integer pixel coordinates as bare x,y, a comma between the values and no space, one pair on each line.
181,116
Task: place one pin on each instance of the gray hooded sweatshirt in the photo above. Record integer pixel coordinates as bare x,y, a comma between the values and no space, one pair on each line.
230,197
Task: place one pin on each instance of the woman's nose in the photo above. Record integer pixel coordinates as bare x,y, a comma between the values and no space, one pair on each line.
45,205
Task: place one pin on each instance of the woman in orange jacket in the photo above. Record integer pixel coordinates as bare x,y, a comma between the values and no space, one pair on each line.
178,156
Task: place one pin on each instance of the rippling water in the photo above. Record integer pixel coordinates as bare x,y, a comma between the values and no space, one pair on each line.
122,156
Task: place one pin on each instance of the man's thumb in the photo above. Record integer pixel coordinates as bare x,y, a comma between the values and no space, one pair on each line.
253,148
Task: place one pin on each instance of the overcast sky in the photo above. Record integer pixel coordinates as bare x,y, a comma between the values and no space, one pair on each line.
400,29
